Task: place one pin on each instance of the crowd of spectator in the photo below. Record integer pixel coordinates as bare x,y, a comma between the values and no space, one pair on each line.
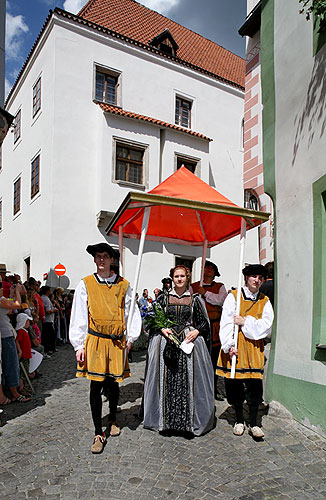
34,321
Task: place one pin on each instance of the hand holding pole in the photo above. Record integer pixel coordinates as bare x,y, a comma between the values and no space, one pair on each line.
237,309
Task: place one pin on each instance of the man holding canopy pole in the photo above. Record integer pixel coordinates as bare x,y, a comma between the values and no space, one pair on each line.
255,322
100,336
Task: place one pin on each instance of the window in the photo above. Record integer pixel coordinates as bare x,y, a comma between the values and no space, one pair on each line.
182,112
184,261
106,87
319,270
165,42
17,188
17,126
35,176
242,135
0,215
129,163
251,200
27,263
189,164
37,97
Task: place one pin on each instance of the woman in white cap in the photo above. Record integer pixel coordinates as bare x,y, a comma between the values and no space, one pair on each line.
22,323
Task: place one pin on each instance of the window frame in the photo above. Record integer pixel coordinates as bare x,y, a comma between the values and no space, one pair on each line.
112,73
17,135
1,214
16,212
319,269
187,159
117,141
129,161
251,194
184,258
178,121
37,97
33,194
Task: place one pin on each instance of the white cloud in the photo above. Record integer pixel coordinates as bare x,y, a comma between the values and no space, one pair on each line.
15,29
73,6
161,6
8,86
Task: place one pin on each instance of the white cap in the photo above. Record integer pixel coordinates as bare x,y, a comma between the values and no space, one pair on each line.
21,320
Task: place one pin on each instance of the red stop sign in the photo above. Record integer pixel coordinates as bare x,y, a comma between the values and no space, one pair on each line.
60,270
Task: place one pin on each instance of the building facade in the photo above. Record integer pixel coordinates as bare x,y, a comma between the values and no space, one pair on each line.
255,195
112,100
294,147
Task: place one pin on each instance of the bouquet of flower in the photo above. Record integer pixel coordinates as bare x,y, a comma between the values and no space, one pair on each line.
157,319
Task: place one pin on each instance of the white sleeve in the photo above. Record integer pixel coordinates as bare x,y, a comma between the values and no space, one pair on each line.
227,323
257,329
78,328
216,299
136,323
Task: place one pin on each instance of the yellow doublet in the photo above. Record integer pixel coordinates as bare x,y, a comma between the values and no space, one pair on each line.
250,361
105,343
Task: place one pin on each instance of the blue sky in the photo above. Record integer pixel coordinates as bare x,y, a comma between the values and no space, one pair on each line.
218,20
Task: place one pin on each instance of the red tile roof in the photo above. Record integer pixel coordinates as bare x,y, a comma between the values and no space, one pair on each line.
142,24
115,110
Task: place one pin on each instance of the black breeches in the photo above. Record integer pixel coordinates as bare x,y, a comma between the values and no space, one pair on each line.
214,355
111,390
239,390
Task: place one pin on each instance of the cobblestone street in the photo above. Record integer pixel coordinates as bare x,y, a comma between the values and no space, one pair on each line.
45,450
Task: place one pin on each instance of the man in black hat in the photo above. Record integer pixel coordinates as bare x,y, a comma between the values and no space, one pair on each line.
255,322
167,284
98,333
214,294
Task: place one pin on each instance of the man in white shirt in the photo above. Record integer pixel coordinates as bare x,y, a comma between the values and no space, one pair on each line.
98,333
255,322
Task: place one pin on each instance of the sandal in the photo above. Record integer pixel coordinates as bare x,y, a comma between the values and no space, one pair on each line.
25,392
21,399
7,401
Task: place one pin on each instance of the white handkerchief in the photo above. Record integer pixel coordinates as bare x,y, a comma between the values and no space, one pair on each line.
187,347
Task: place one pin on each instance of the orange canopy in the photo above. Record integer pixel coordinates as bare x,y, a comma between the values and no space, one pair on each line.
184,210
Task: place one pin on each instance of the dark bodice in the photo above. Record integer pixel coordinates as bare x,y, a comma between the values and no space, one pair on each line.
186,311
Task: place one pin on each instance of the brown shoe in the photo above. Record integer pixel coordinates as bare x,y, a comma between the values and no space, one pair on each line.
98,444
114,429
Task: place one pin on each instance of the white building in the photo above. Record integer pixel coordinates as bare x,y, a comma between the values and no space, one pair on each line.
172,97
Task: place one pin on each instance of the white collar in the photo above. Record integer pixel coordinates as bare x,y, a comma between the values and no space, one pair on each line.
174,293
249,294
107,280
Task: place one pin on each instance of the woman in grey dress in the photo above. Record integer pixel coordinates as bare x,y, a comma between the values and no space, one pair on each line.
179,387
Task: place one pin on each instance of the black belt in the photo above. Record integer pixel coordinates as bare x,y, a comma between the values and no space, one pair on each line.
104,336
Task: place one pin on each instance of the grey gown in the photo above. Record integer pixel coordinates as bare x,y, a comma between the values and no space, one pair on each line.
180,398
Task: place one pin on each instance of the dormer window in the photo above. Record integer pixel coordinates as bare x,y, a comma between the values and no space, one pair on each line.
165,42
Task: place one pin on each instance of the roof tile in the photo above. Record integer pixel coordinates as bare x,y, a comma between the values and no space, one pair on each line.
142,24
115,110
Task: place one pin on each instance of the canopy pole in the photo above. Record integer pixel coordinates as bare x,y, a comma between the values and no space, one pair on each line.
203,260
121,249
144,227
237,309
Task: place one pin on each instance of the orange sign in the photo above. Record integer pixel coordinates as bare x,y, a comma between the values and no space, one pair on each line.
60,270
